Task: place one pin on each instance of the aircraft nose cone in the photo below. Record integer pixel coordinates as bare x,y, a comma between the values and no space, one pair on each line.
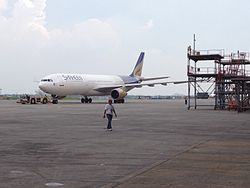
42,86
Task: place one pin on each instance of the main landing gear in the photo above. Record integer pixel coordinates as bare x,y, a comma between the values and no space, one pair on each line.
86,100
119,101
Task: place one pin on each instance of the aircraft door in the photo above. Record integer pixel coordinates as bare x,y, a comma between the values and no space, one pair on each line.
60,81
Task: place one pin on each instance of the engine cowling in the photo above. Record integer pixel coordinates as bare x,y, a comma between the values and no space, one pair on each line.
118,94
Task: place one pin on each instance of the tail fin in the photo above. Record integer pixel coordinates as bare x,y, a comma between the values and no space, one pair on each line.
138,67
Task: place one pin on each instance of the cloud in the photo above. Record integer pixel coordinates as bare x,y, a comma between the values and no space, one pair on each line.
25,27
3,5
95,32
30,11
30,50
28,3
29,19
149,24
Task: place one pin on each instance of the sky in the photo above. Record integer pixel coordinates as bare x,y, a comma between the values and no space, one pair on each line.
40,37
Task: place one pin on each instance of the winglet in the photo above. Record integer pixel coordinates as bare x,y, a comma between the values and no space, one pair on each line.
138,67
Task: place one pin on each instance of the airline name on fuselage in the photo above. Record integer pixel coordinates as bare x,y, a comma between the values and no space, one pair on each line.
72,77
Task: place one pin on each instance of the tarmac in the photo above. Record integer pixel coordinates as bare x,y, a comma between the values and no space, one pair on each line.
154,143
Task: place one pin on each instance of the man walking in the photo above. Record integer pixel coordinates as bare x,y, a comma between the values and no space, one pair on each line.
108,111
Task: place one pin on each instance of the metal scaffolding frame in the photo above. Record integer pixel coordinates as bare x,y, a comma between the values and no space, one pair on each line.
228,75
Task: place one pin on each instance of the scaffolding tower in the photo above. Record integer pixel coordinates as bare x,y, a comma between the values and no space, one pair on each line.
227,79
232,83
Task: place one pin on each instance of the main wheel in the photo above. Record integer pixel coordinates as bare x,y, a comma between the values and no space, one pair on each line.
119,101
82,100
86,100
90,100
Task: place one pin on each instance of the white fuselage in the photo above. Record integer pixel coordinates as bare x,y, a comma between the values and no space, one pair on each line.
78,84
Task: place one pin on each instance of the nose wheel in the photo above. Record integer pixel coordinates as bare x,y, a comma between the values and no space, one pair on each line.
54,99
86,100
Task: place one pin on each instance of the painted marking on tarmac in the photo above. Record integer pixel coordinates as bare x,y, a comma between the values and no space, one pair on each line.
54,184
16,171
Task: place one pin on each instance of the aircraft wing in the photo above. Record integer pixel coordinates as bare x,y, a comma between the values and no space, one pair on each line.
153,78
109,88
151,84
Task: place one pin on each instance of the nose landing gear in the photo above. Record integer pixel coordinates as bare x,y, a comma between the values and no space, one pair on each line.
54,99
119,101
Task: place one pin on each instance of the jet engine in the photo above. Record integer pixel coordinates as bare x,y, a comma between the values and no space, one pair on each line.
118,94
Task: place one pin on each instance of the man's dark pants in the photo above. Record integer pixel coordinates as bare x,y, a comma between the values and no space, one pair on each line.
109,121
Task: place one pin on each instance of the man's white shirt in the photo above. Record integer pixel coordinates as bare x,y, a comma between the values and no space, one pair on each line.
109,109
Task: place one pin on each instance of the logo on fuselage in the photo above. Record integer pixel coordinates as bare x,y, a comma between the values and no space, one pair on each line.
72,77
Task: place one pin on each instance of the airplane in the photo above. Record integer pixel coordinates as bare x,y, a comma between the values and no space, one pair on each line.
60,85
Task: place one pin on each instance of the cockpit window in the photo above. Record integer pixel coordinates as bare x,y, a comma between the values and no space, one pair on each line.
46,80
